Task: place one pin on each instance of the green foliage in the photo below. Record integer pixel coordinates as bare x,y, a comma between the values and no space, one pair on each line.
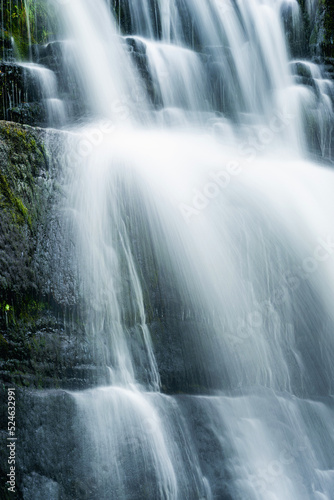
8,315
8,201
21,315
21,17
31,310
20,201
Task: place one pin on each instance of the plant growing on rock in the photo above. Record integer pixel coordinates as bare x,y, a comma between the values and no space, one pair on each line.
26,22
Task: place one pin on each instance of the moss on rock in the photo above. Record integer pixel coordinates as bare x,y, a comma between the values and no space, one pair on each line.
42,342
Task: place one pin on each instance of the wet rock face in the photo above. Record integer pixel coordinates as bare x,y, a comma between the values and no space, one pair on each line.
44,342
58,56
309,34
297,29
27,90
54,458
22,163
21,97
11,87
319,19
44,337
310,31
45,431
38,296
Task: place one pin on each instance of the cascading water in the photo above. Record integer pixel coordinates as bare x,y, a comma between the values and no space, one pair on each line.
44,82
26,7
206,244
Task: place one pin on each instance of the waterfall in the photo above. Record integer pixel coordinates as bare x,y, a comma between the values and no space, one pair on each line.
44,82
26,8
204,235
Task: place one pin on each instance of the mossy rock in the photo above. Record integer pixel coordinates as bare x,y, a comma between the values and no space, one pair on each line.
23,157
23,200
42,342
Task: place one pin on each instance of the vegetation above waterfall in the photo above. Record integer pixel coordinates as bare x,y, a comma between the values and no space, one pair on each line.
35,21
26,21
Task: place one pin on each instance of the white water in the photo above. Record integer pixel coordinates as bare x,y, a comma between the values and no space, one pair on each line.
202,194
26,8
46,83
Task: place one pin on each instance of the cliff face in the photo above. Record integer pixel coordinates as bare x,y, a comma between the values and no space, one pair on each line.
310,34
321,27
42,340
40,333
22,96
43,343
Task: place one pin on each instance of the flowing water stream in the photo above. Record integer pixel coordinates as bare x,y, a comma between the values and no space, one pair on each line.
205,237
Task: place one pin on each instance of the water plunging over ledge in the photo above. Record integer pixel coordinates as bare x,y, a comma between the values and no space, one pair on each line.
205,238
